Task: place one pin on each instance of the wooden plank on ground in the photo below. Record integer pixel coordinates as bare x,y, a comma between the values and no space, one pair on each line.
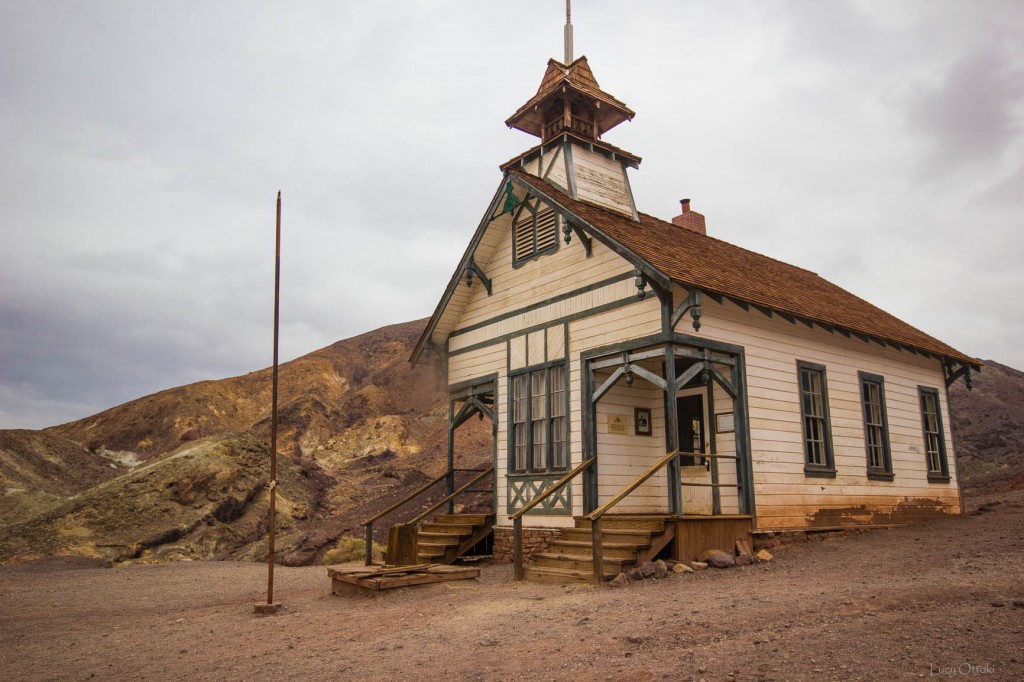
343,580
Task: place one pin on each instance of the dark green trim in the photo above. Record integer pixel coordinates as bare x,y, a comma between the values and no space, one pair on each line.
544,508
587,242
883,473
546,302
537,327
711,428
475,382
827,470
741,437
632,344
588,435
473,269
674,479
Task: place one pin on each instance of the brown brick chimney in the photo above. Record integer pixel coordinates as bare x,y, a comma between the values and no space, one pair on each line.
690,220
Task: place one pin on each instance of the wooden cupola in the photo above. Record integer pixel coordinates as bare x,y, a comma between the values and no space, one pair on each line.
569,100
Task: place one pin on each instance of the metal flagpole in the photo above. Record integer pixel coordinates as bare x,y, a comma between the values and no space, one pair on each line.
270,606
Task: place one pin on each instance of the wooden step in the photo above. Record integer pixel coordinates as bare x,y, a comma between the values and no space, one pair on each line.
459,528
558,575
578,562
609,550
653,523
447,539
624,535
432,548
462,519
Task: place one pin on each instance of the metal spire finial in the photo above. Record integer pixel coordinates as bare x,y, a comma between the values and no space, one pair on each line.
568,32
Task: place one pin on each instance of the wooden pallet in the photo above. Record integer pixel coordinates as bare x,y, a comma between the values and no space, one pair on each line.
360,579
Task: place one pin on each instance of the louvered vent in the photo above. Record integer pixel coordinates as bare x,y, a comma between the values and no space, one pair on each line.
524,246
547,235
535,231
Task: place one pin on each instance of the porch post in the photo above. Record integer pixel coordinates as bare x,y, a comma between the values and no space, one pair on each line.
449,482
675,501
744,472
588,434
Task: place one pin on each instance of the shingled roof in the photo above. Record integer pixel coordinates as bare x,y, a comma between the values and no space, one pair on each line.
577,77
694,260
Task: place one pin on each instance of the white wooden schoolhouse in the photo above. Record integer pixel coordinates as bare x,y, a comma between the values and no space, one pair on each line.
653,389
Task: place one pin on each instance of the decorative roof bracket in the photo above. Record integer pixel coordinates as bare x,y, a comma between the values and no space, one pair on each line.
569,227
641,284
473,269
952,375
692,304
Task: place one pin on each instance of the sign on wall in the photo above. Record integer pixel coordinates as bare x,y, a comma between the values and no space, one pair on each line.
617,424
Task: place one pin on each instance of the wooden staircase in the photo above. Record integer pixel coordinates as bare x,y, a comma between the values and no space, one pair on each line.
625,541
449,536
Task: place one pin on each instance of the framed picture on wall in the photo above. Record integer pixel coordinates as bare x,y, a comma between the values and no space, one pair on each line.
642,421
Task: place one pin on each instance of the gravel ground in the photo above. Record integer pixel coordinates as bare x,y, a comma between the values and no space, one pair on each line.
938,600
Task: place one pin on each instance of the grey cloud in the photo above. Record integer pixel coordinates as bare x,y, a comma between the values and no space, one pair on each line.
146,143
973,115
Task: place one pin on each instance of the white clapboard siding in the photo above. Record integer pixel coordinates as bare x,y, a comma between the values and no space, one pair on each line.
548,275
785,497
601,180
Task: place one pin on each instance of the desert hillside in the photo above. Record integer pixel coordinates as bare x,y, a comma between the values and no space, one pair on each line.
988,424
182,473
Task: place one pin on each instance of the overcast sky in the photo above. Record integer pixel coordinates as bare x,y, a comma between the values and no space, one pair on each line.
878,143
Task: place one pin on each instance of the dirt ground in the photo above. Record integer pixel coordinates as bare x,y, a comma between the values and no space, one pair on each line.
939,600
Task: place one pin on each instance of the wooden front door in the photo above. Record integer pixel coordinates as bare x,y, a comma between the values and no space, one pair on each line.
693,437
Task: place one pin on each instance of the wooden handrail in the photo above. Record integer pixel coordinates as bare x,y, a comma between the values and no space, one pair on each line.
517,518
603,509
405,500
550,491
455,494
594,517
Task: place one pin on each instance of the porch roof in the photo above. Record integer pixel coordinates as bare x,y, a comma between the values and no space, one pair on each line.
694,260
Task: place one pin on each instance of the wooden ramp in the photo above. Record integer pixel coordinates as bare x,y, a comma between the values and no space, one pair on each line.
360,579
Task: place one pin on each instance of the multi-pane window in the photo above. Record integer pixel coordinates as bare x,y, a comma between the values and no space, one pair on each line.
540,429
534,231
519,416
934,443
539,419
559,419
876,426
814,415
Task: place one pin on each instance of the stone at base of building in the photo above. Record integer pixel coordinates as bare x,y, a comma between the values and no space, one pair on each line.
535,540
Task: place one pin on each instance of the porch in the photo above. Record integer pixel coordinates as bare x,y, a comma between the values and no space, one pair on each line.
665,469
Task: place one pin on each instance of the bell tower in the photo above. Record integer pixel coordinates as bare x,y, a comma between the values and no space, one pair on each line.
570,113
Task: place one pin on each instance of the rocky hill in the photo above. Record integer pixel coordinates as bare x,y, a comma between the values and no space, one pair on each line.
182,473
988,424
